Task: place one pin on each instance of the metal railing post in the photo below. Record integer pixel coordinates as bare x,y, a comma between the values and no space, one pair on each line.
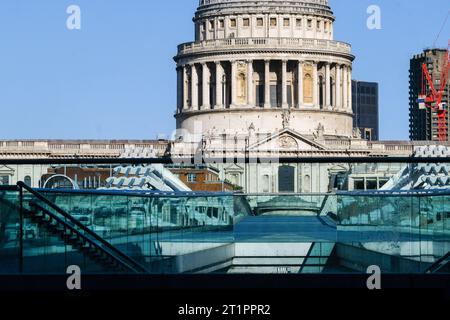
21,233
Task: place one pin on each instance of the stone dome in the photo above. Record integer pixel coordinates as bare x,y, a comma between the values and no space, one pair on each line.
220,7
267,64
251,18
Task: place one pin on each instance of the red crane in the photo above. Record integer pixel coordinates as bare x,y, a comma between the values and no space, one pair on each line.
432,99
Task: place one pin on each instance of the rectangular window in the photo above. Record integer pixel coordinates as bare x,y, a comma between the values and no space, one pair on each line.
233,23
4,180
246,22
359,184
372,184
368,134
221,24
211,25
309,23
259,22
318,25
192,177
298,23
286,22
273,22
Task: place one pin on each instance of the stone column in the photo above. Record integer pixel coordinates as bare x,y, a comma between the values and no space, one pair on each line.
225,29
315,85
219,92
338,87
279,26
250,95
194,88
233,83
303,27
185,89
180,89
267,84
350,98
345,88
314,22
300,84
205,89
284,103
293,24
327,86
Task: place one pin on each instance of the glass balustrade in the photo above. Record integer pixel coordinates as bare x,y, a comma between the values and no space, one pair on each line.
344,218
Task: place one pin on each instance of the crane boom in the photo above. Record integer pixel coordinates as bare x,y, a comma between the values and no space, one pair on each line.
444,76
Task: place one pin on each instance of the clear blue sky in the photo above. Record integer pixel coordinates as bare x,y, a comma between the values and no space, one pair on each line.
115,78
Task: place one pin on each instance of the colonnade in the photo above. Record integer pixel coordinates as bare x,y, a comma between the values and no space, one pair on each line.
264,83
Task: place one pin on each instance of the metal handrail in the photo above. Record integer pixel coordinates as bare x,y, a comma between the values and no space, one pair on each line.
8,188
138,193
137,267
437,265
74,230
206,194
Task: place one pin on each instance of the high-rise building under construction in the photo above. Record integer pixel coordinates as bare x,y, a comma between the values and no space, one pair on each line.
423,123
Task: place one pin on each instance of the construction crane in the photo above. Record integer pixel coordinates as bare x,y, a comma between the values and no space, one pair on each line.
432,99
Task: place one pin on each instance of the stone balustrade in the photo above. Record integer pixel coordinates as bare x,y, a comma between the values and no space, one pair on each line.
81,148
311,45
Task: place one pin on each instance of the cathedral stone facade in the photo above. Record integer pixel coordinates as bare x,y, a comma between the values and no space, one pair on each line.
265,78
252,61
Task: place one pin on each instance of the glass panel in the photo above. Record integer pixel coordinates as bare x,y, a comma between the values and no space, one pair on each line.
9,232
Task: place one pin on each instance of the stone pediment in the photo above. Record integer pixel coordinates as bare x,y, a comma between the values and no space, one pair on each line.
234,167
6,170
286,140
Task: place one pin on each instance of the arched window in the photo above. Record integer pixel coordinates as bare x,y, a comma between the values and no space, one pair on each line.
27,181
307,184
308,88
266,183
61,182
242,88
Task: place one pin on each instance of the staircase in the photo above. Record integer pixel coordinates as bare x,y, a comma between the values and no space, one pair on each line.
56,221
